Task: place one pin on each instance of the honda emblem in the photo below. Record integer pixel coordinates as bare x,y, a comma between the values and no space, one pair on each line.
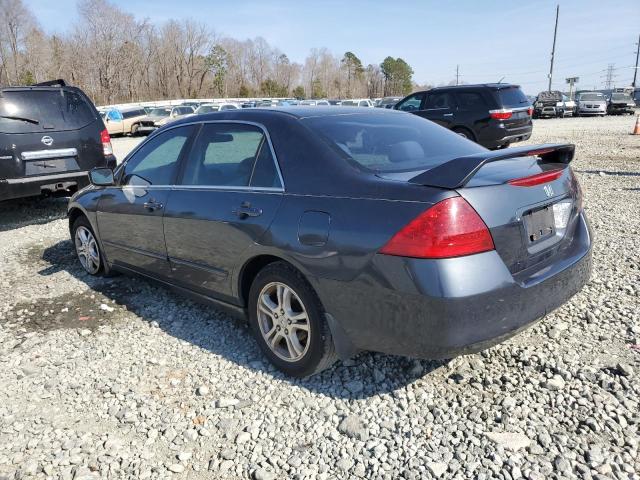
47,140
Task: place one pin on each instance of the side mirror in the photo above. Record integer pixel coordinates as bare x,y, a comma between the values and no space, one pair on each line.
101,177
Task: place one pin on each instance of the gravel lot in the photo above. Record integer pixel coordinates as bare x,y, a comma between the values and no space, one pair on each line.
116,378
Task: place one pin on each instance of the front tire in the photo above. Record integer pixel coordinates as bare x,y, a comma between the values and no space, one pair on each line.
87,248
287,320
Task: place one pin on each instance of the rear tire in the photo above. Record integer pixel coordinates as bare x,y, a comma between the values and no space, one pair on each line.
287,320
134,131
465,133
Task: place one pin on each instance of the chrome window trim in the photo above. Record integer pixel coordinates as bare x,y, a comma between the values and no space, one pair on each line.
199,187
216,187
54,153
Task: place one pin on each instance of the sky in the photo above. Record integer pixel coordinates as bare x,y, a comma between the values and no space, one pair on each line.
490,40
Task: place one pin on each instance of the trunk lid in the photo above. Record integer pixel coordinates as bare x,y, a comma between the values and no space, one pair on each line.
528,198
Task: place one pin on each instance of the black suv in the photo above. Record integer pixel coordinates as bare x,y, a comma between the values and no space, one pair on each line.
51,135
493,114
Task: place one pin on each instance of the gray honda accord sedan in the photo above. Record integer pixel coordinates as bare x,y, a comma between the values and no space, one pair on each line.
335,231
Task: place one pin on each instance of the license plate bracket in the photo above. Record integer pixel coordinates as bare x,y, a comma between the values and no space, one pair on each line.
539,224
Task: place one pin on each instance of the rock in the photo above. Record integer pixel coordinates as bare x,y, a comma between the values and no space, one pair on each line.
106,308
190,435
202,390
345,464
184,456
228,454
437,469
243,437
352,427
354,386
509,441
509,402
262,474
625,369
175,468
85,332
227,402
555,383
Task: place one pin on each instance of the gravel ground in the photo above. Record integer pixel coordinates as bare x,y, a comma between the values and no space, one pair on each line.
116,378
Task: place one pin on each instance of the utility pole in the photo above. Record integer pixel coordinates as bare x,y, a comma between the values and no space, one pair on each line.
608,77
635,72
553,50
458,73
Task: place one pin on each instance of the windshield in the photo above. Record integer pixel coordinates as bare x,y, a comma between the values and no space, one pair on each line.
591,96
391,142
208,108
621,96
38,110
160,112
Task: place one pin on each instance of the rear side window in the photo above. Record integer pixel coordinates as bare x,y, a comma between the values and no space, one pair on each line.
512,97
231,155
390,142
470,101
39,110
133,113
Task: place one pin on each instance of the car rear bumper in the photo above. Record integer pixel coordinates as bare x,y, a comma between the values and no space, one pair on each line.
444,308
33,186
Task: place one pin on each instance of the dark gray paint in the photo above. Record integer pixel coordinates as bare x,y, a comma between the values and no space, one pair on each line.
329,222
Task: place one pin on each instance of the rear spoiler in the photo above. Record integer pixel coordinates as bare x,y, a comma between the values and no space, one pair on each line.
457,172
51,83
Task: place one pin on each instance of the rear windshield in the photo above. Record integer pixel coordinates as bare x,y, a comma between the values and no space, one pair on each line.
38,110
393,142
208,109
512,97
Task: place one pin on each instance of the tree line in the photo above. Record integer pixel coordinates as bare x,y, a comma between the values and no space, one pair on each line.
115,57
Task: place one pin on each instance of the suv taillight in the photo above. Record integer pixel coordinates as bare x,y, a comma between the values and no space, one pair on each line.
501,114
107,149
450,228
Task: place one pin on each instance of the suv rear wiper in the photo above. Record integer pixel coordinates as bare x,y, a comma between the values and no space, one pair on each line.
24,119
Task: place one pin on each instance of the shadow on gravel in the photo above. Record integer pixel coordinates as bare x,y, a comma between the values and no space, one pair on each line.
31,211
367,375
612,173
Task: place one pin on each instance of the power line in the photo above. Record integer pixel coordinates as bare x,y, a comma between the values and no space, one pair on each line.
609,76
635,72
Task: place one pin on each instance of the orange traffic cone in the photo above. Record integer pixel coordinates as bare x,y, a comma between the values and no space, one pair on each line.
636,129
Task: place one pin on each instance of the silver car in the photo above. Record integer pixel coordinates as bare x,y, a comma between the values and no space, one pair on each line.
591,103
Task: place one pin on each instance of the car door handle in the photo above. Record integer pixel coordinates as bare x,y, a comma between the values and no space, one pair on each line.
153,205
245,210
448,115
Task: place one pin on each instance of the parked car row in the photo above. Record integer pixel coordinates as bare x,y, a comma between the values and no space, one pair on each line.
556,104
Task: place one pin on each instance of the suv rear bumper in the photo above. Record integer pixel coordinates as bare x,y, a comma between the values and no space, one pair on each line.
34,186
503,136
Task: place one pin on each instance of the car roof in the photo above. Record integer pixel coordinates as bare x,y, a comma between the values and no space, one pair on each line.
298,112
493,86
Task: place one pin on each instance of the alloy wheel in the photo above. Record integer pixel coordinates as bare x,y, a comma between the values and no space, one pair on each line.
87,250
283,321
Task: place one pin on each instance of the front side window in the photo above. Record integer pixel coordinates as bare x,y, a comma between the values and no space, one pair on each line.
115,116
412,103
230,154
155,163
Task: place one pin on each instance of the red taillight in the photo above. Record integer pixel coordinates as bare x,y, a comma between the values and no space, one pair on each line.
107,149
501,114
451,228
530,111
537,179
